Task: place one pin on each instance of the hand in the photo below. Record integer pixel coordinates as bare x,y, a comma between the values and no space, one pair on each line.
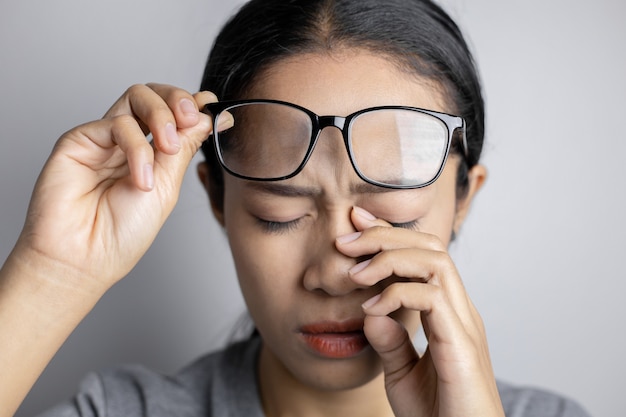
98,204
105,191
454,377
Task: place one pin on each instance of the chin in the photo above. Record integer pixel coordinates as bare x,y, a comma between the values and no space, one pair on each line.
326,374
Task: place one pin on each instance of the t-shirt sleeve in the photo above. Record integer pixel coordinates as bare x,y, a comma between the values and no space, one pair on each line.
530,402
128,391
88,402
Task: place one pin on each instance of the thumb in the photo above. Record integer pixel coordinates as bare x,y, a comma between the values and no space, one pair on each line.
169,170
394,346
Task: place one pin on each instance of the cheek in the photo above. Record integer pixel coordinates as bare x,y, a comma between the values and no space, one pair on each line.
432,208
263,261
439,220
269,267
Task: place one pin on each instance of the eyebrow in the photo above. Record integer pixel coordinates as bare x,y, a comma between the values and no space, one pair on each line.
367,188
288,190
283,190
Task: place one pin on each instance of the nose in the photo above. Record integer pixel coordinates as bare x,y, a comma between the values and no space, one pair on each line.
327,269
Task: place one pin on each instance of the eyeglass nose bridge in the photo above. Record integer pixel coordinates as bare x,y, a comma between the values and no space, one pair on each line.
330,121
338,122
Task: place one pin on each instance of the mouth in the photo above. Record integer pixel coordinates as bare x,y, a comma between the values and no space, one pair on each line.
335,340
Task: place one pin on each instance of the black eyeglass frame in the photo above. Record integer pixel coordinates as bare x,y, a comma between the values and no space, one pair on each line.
319,123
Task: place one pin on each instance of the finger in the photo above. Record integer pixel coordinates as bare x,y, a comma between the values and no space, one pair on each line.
419,266
140,155
399,252
444,324
408,263
394,346
170,169
182,104
226,120
451,339
457,359
403,254
379,238
203,98
363,219
106,145
161,110
153,115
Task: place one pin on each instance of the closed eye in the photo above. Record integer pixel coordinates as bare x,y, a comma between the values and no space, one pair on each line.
410,225
275,227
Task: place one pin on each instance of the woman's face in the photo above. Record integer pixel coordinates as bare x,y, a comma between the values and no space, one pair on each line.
282,234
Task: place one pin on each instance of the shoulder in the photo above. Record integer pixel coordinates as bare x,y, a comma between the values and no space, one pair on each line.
211,386
532,402
129,390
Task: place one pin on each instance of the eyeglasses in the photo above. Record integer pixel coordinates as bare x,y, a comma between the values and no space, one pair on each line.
388,146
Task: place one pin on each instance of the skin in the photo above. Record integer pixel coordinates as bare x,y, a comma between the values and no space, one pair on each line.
97,206
105,192
327,221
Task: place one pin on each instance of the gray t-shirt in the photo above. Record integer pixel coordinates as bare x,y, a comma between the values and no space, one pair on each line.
224,384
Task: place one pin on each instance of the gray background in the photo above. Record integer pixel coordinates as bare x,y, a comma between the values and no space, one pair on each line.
542,252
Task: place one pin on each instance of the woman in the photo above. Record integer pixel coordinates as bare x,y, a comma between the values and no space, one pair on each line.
338,224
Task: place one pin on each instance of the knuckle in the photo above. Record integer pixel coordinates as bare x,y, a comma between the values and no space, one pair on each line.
153,85
379,232
127,132
393,294
123,122
152,108
382,257
438,295
383,262
160,111
442,260
398,290
433,242
157,115
168,92
136,89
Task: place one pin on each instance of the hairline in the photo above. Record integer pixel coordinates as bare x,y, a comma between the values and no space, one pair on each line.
404,63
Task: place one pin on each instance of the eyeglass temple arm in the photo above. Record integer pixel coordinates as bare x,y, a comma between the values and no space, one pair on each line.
464,139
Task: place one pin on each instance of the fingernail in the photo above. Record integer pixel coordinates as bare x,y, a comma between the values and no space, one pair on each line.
364,213
148,176
225,121
172,135
359,267
369,303
188,108
349,238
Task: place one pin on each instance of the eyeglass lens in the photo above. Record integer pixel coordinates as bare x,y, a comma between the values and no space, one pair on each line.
389,146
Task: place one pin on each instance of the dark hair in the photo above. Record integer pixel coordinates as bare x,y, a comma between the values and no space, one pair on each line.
416,34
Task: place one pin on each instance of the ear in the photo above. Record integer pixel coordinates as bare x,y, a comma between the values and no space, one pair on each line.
214,190
476,178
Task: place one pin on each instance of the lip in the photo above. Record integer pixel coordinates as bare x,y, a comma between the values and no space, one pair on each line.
335,340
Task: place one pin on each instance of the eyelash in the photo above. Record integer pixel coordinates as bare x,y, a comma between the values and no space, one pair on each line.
285,227
278,227
411,225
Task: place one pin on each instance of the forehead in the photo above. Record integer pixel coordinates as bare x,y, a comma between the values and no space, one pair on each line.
342,82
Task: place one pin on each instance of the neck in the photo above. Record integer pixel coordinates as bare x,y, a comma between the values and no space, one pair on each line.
284,395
